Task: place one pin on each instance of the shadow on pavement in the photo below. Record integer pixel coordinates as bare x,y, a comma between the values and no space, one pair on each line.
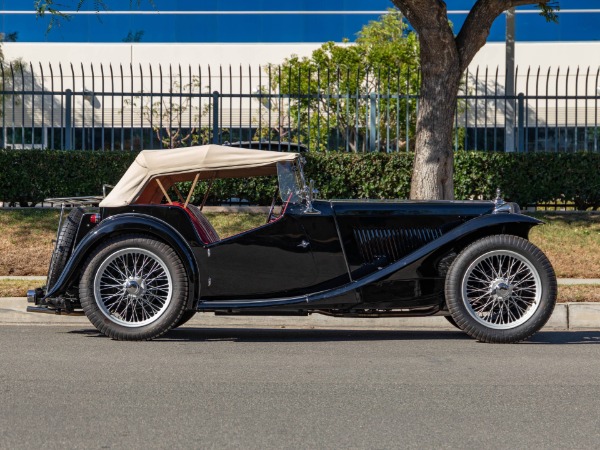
565,337
190,334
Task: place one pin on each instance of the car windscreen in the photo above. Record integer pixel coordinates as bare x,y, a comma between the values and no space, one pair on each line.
289,183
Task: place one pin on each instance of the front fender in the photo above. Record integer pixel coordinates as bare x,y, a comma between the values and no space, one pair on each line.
465,233
127,223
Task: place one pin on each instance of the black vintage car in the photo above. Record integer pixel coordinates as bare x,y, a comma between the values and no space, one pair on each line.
147,260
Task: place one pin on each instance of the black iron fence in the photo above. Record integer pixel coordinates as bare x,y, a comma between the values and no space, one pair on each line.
127,108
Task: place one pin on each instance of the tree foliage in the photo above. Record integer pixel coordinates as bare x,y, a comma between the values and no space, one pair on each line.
7,71
337,82
55,10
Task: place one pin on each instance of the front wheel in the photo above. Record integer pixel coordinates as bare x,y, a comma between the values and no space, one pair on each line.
501,289
134,288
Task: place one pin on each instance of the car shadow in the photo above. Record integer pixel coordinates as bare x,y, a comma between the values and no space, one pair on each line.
565,337
305,335
196,334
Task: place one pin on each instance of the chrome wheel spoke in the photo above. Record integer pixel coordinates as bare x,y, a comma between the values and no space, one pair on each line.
133,287
501,289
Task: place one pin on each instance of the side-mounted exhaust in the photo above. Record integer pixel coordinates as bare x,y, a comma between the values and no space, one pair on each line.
56,312
35,296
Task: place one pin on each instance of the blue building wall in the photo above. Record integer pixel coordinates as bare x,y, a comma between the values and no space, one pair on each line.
266,21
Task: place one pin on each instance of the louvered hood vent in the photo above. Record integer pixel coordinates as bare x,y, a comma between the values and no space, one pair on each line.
392,243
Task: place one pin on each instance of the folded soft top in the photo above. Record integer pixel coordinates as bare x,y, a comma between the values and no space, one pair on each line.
183,164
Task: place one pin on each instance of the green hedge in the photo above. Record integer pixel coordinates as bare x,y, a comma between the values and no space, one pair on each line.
27,177
32,175
530,178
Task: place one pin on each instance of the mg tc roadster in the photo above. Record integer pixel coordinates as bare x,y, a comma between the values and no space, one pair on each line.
146,259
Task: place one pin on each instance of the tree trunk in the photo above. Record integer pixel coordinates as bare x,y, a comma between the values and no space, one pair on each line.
444,58
432,176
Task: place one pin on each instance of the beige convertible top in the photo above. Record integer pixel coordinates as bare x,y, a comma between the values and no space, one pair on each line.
184,164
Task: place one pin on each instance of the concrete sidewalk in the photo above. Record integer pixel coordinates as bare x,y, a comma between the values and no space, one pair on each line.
566,316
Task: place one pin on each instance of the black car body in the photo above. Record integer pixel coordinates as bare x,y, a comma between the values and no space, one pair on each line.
145,264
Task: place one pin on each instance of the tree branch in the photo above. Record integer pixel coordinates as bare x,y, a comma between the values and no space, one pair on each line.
474,32
429,18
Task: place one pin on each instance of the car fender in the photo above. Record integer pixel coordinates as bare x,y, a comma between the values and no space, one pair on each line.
480,226
121,224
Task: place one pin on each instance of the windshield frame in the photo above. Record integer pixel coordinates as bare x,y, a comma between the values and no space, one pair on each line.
291,182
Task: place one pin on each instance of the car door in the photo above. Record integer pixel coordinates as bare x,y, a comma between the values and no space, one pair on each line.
274,260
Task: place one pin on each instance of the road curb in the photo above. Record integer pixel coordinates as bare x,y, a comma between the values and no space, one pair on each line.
566,316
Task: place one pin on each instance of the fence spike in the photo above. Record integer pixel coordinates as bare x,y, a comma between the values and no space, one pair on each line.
341,109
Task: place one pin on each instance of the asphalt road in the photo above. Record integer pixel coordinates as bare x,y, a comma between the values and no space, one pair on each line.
68,387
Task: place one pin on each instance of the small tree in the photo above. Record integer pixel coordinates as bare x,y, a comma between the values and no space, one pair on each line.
8,69
330,93
173,118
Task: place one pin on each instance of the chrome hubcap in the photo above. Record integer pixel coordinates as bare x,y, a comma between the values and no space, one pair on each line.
133,287
501,289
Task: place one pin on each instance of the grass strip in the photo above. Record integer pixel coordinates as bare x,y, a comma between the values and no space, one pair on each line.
571,241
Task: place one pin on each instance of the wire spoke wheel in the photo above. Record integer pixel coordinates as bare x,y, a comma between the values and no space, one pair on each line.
133,287
501,289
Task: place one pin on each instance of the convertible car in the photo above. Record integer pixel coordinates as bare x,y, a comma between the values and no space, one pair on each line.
146,259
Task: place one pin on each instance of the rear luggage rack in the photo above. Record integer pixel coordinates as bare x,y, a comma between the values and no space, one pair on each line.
86,200
91,200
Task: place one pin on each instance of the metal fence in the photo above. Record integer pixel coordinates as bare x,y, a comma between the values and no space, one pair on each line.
134,108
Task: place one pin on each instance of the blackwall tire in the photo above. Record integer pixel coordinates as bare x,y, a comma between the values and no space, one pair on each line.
452,321
501,289
134,288
185,318
64,245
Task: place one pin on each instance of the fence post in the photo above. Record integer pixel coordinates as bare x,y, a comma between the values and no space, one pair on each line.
68,121
521,112
372,121
509,104
216,133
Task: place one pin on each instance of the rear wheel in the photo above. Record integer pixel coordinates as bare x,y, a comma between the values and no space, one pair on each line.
501,289
134,288
451,321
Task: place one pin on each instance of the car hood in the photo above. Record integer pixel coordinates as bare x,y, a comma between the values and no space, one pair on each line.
412,207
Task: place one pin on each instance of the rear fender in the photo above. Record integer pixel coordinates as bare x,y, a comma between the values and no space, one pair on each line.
122,224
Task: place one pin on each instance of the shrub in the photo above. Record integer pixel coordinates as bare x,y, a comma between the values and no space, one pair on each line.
27,177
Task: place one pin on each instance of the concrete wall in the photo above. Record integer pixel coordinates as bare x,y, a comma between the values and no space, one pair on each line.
582,54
